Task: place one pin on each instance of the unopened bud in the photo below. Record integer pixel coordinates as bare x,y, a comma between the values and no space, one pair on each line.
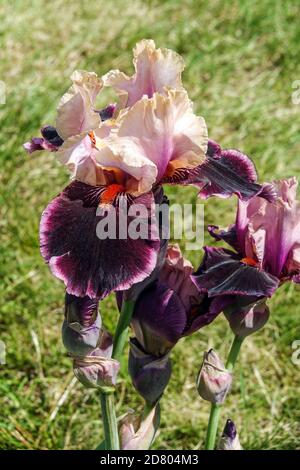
150,374
229,439
247,319
137,433
82,325
97,369
214,381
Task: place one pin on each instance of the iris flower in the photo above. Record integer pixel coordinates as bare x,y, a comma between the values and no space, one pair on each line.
125,152
172,306
168,309
266,240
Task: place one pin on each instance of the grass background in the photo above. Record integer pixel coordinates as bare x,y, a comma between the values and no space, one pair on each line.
241,60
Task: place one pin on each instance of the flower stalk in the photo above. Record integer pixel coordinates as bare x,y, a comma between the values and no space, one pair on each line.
107,399
122,329
109,420
215,410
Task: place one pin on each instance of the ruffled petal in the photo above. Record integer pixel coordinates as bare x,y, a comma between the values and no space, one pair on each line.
124,154
163,130
77,154
270,231
155,69
89,265
75,112
223,273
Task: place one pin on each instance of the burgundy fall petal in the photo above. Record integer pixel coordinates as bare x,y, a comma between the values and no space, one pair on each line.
229,236
50,141
223,273
230,173
223,173
88,265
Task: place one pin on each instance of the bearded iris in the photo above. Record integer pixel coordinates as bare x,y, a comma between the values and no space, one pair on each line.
266,239
149,138
119,158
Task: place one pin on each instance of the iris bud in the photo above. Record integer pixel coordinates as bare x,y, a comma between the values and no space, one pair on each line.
137,433
214,381
97,369
229,439
82,325
150,374
247,319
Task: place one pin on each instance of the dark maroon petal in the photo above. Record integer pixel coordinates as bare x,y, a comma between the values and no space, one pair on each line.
35,144
230,173
82,325
223,273
51,135
162,203
50,141
229,430
80,309
223,173
213,148
159,319
107,112
229,236
227,172
88,265
150,374
204,313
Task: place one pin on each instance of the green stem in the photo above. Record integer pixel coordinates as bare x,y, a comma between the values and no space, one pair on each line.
109,421
120,336
215,410
107,396
234,352
212,426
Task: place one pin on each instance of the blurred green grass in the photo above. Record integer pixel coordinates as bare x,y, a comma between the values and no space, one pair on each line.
241,60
